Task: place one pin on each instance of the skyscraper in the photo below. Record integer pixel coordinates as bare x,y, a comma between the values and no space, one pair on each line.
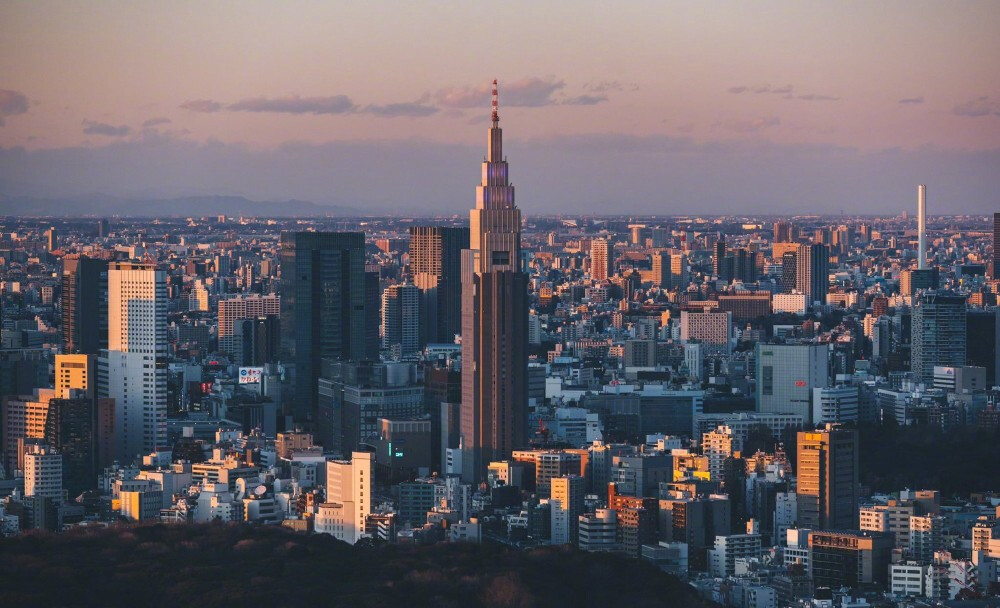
938,334
812,272
494,320
827,468
84,304
601,259
921,227
436,267
401,319
133,370
996,245
662,269
679,271
323,309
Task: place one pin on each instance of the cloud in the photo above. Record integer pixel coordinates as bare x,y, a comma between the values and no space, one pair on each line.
753,125
91,127
813,97
201,105
585,100
159,120
335,104
525,93
393,110
605,86
12,103
981,106
912,100
785,91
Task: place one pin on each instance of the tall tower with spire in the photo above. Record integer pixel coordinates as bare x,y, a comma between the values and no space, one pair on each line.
494,319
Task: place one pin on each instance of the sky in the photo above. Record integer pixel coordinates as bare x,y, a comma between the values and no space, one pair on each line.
673,108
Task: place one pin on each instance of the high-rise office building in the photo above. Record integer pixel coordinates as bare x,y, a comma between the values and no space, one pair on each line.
602,259
827,479
401,319
938,333
789,273
782,232
494,320
662,269
240,308
323,309
719,258
348,497
983,342
921,227
43,472
679,271
812,272
996,245
255,341
913,280
436,268
566,498
133,370
76,372
84,304
713,329
787,375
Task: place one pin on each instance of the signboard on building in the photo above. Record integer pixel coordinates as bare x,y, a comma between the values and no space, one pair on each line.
250,375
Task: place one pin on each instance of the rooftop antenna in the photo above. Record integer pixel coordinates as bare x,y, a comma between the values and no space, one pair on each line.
496,106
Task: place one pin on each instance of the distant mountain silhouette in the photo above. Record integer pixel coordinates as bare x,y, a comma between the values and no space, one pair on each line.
194,206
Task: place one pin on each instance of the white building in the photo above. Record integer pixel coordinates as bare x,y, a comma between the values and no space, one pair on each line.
43,472
794,303
348,496
835,404
787,375
566,500
133,370
722,557
597,530
718,445
907,579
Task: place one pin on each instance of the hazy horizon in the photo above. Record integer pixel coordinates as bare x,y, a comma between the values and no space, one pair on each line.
773,107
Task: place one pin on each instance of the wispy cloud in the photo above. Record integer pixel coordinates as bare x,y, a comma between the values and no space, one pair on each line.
981,106
393,110
912,100
787,92
152,122
753,125
201,105
12,103
814,97
335,104
605,86
91,127
585,100
525,93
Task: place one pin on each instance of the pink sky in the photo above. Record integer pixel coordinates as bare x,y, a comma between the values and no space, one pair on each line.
870,76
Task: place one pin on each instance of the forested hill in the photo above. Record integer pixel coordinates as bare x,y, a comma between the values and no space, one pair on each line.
228,565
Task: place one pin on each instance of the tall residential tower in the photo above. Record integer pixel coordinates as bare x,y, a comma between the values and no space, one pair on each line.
494,320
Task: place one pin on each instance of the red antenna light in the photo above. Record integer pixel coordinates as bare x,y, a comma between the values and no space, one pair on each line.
496,105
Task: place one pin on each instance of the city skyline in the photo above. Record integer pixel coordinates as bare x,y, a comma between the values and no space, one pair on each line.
646,105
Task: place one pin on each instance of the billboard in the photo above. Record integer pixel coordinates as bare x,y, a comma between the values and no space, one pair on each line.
250,375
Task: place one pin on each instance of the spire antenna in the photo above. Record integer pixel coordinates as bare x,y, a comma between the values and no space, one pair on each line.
496,105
